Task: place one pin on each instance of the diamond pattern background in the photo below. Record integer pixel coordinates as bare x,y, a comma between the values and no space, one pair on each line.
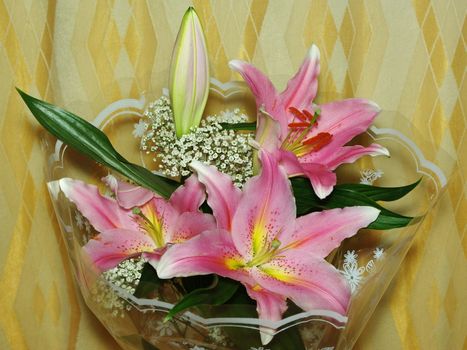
408,56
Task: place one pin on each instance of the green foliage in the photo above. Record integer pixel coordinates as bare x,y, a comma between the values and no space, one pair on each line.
92,142
353,195
239,126
221,290
149,282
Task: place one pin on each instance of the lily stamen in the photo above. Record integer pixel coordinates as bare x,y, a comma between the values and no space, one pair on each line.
297,114
295,141
299,125
266,254
319,141
153,228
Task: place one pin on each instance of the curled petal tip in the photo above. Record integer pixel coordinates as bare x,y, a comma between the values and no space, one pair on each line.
235,65
384,151
313,53
374,106
64,182
323,192
266,336
67,184
196,165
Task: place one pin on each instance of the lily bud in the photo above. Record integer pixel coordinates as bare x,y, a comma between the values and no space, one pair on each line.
189,74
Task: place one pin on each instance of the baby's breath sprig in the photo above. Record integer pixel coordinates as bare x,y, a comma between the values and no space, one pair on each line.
125,275
228,150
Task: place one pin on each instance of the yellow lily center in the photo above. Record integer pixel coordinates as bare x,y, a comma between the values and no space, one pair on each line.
265,254
151,225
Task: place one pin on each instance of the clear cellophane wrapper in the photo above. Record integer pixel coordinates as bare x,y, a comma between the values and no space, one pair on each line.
138,323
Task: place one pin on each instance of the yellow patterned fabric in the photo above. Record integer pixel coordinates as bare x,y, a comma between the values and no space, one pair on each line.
409,56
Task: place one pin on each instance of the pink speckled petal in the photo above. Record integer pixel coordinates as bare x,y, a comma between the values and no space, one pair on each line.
128,196
261,87
302,88
270,306
350,154
154,257
103,213
322,179
189,196
210,252
266,209
343,120
223,196
290,162
310,282
189,225
163,216
320,232
111,247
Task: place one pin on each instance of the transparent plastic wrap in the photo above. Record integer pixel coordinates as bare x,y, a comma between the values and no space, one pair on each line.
369,260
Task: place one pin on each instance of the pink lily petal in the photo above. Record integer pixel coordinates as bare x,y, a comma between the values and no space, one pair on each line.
128,195
321,232
270,306
290,162
343,120
168,225
264,91
189,196
210,252
322,179
266,209
190,224
111,247
223,196
310,282
349,154
302,88
102,212
268,132
154,257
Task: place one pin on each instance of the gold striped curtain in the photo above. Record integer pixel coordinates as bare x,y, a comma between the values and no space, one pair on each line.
409,56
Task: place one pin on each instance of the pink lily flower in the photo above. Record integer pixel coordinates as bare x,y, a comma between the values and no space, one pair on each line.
310,139
260,242
138,221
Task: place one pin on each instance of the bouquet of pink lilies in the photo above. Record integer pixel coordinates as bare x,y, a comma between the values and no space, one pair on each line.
250,206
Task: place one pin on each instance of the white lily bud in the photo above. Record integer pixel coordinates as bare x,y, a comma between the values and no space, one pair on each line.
189,74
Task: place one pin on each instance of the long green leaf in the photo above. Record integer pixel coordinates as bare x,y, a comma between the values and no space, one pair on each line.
92,142
376,193
216,294
341,197
149,282
239,126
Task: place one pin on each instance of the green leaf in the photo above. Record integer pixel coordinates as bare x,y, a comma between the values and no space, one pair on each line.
147,345
149,282
239,126
307,202
217,294
375,193
246,338
92,142
241,305
192,283
287,339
